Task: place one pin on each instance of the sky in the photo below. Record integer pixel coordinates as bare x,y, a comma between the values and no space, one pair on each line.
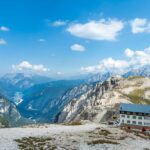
68,37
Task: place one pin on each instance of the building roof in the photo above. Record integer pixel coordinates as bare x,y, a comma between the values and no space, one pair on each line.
135,108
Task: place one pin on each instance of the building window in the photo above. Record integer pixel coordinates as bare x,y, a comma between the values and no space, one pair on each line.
128,121
147,118
140,117
133,122
122,121
134,117
146,123
123,116
139,123
128,116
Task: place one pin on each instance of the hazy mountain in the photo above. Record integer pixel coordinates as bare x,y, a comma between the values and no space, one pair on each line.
99,77
142,71
23,81
12,85
41,102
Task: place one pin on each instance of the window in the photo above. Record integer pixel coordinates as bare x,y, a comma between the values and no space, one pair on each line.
140,117
123,116
146,123
134,117
147,118
122,121
128,121
133,122
128,116
139,123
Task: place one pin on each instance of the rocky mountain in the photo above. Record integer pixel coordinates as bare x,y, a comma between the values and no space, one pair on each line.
103,99
9,115
100,77
142,71
43,101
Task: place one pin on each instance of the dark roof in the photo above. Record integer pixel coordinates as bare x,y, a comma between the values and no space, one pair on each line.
135,108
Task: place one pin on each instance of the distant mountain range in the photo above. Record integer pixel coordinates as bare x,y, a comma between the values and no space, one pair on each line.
23,81
42,99
100,77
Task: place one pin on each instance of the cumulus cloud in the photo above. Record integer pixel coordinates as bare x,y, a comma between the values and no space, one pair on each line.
3,28
2,42
59,23
140,25
128,52
27,66
108,64
97,30
133,59
77,47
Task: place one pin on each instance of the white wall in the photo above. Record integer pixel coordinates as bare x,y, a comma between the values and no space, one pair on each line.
145,121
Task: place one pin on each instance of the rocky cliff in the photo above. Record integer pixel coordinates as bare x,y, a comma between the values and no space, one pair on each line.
103,99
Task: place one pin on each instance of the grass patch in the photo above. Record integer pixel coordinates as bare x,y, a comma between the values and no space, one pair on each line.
101,141
136,97
75,123
134,77
4,122
104,132
31,143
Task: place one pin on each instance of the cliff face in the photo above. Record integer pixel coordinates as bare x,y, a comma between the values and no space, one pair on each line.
101,100
88,104
9,114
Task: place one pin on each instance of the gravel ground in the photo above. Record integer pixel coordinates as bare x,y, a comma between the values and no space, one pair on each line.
80,137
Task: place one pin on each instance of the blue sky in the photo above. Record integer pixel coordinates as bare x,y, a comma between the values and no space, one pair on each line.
72,36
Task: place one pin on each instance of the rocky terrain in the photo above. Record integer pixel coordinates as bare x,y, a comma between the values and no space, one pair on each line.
100,102
71,137
9,115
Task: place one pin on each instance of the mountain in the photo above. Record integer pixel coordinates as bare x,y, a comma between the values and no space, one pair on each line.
102,76
98,77
23,81
142,71
41,102
101,101
9,115
12,86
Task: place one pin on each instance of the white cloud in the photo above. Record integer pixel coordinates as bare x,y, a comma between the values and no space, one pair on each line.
128,52
108,64
3,28
41,40
2,42
97,30
27,66
134,59
77,47
140,25
59,23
